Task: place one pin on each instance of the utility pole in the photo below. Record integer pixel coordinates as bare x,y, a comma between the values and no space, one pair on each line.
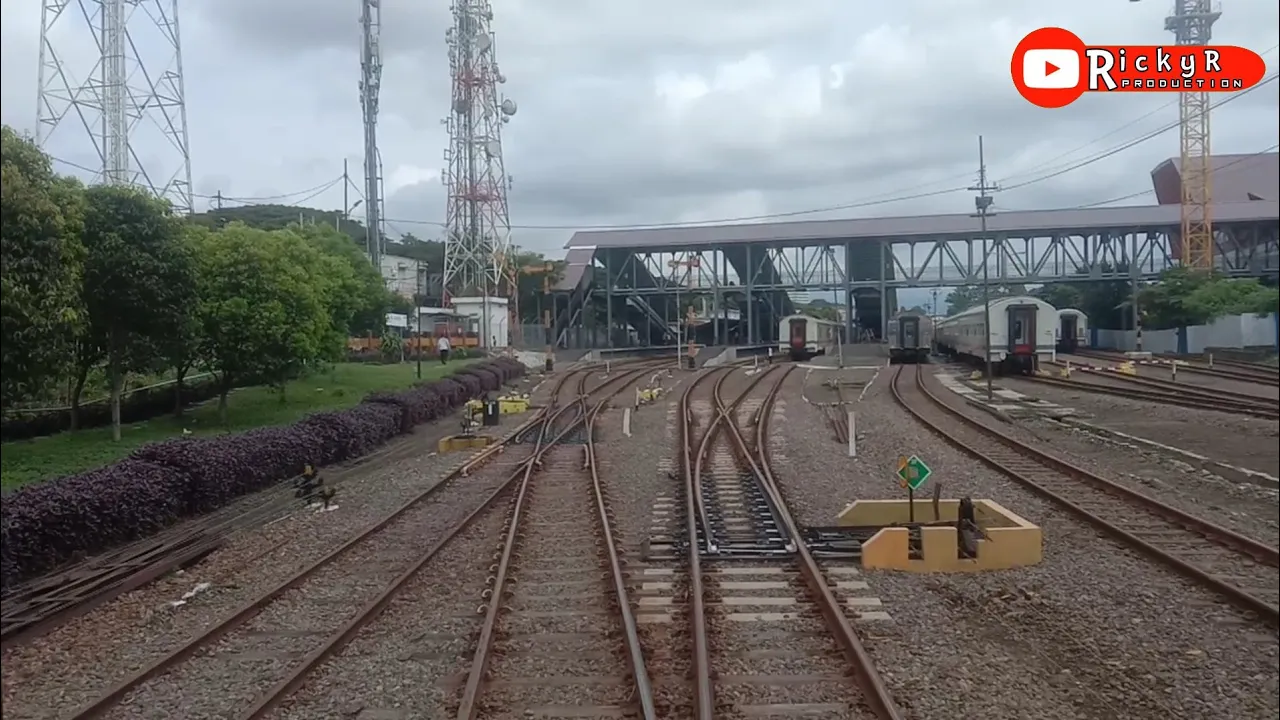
419,286
346,180
983,205
370,84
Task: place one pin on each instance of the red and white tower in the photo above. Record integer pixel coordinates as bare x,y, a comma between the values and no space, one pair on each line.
477,227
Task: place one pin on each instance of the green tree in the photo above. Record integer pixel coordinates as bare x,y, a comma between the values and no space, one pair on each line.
137,282
1163,303
360,300
40,222
1232,296
180,349
262,313
1184,297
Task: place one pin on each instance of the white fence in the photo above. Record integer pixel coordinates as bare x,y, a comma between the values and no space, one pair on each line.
1233,331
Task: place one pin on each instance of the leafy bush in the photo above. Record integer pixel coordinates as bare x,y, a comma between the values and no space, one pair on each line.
46,525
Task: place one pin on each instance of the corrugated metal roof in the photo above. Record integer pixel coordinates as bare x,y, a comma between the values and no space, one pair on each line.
576,263
1237,178
922,226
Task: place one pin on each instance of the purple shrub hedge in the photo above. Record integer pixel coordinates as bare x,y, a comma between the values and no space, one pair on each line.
45,525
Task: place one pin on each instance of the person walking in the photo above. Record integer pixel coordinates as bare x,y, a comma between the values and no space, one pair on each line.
442,344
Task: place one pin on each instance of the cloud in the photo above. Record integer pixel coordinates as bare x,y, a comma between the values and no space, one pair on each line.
658,111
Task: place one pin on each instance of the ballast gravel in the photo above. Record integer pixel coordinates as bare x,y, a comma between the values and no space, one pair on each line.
1248,508
1248,442
1094,631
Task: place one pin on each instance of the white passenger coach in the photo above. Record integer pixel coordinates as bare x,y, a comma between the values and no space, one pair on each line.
1073,330
1022,335
803,337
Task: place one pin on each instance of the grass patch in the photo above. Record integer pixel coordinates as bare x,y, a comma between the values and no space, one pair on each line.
28,461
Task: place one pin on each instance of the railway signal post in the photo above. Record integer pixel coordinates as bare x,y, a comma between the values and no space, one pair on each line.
912,474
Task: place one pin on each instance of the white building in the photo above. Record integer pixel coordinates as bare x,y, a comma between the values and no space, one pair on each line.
403,276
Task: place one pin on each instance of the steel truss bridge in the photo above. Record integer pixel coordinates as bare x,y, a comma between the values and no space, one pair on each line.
638,275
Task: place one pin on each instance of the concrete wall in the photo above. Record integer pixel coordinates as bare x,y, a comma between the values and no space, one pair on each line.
1233,331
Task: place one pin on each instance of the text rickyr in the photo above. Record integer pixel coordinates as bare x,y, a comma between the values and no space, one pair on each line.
1104,61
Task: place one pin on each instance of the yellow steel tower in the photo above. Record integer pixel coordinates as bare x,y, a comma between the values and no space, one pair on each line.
1192,24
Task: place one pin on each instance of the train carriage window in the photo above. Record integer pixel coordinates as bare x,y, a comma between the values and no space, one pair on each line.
1018,336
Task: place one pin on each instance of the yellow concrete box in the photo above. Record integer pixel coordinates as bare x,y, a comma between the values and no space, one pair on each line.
1010,541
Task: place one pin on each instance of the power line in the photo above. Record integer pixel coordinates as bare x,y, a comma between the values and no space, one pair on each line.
870,201
1137,141
1116,131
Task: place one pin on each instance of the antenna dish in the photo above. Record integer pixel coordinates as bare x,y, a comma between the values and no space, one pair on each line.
460,105
493,149
483,43
509,107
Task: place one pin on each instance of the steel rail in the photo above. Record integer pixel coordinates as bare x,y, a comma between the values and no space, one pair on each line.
1214,533
273,697
725,414
703,517
468,705
1258,377
704,696
875,693
1166,397
1179,389
635,650
112,696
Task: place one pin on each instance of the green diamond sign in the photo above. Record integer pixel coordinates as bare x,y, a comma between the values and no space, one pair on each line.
912,472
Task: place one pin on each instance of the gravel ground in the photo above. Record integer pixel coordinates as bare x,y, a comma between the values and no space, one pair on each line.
1247,442
1247,508
1095,631
64,669
408,659
1191,379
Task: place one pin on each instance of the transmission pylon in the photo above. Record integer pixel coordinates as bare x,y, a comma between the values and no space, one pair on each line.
477,233
125,113
370,84
1192,24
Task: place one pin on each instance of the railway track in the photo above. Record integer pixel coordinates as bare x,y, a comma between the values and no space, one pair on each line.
770,631
562,595
1150,390
1243,571
1226,370
286,633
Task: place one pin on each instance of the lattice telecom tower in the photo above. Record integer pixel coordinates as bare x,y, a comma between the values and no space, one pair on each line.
125,96
477,232
370,84
1192,24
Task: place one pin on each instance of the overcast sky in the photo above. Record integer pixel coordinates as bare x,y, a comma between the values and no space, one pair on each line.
651,111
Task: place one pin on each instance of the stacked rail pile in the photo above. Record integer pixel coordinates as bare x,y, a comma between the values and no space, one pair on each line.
43,526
